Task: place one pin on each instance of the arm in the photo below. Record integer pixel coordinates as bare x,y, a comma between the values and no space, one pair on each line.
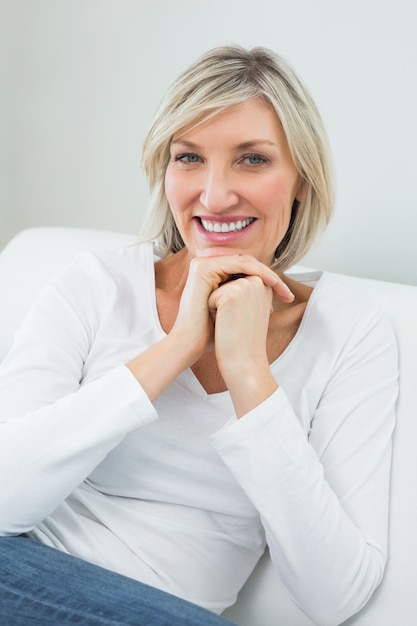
54,429
323,500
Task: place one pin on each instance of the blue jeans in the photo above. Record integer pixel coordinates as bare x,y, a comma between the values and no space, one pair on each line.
41,586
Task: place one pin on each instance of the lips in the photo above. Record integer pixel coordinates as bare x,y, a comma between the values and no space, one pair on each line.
226,227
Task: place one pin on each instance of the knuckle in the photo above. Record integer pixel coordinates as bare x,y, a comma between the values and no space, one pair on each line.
195,262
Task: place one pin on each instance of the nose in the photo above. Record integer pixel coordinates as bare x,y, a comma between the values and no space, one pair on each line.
218,193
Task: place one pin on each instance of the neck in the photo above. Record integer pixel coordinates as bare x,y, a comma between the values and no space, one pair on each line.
171,273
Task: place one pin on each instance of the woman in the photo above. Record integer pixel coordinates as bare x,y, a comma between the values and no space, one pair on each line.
168,412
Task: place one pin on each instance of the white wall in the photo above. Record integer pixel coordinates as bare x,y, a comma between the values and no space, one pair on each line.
81,78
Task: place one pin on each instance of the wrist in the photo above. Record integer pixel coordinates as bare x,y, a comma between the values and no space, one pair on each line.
248,389
185,347
159,365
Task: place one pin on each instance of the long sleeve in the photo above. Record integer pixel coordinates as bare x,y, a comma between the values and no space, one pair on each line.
57,423
86,459
322,488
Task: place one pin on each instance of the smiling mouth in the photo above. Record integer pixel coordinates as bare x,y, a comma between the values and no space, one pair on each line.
226,227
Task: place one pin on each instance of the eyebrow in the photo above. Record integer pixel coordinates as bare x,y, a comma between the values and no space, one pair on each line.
245,145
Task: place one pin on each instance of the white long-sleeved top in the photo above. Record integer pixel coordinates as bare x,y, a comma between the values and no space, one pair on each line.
179,493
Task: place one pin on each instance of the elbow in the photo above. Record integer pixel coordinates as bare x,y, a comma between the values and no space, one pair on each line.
338,602
14,518
11,528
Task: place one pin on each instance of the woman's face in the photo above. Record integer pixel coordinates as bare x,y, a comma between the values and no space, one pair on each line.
231,183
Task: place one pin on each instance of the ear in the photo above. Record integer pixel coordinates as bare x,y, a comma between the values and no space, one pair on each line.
299,196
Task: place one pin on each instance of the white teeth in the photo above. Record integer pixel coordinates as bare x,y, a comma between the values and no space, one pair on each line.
226,227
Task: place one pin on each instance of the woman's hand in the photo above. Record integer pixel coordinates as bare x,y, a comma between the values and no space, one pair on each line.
226,304
207,276
210,312
242,309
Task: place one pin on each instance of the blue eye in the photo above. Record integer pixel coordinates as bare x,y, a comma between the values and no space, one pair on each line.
187,157
254,159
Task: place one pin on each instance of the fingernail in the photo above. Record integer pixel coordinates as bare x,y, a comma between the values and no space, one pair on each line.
289,292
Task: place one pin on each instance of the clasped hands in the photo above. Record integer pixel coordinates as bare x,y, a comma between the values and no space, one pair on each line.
228,316
226,306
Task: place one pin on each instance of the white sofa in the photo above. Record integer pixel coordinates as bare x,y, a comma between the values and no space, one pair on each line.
35,254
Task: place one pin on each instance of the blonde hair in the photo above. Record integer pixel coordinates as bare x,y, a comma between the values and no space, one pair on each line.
227,76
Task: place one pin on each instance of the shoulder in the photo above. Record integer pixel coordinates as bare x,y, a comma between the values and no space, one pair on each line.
331,294
341,313
127,263
95,278
117,260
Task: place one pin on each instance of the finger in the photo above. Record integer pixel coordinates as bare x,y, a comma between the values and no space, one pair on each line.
269,277
245,287
283,292
230,267
233,277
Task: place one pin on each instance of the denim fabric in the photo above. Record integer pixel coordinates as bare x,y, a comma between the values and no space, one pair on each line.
41,586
